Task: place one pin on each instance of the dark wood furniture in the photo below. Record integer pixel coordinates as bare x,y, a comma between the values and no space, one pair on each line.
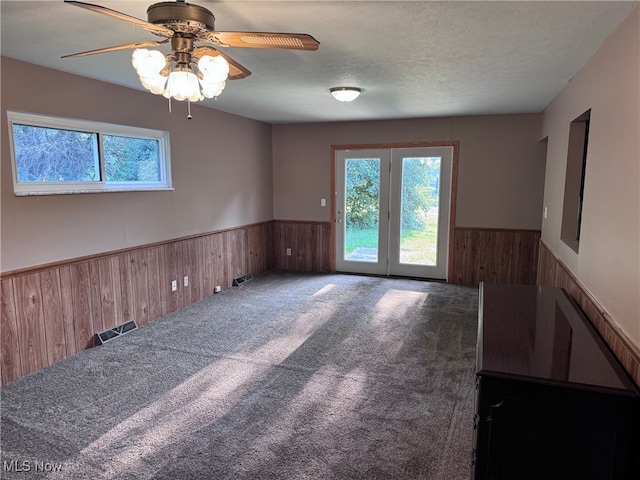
552,402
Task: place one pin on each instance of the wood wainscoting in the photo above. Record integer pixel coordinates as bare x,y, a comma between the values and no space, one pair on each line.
553,272
309,243
494,255
54,311
479,254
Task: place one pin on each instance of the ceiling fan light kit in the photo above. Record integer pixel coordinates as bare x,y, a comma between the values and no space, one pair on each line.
345,94
181,80
190,72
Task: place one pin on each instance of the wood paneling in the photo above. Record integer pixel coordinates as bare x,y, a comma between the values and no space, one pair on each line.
30,318
220,272
95,289
9,344
107,290
172,257
494,255
196,262
54,311
553,272
155,281
260,245
126,290
81,302
236,245
67,310
138,262
310,244
53,317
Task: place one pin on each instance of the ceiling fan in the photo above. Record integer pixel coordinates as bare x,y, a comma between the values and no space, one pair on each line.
190,72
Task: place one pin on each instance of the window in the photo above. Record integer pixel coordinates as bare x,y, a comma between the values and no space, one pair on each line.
574,180
52,155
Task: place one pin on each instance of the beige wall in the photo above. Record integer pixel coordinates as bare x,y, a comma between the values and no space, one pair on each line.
500,177
222,172
608,262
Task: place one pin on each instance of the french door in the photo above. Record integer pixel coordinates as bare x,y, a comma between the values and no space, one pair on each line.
392,211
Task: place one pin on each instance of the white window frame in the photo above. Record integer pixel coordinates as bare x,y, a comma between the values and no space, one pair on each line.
99,128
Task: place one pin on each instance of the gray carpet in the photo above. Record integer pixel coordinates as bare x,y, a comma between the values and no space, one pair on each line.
289,376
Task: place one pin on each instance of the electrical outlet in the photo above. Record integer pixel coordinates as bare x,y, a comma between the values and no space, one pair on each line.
217,289
186,281
289,251
323,202
174,285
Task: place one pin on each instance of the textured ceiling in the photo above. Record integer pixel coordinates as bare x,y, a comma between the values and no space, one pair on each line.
411,59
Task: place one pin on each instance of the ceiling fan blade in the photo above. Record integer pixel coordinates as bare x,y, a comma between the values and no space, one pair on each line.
159,29
127,46
292,41
236,71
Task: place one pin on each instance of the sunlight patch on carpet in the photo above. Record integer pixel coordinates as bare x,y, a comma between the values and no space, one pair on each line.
199,401
396,304
326,289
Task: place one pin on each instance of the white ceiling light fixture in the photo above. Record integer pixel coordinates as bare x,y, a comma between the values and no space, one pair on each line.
178,76
345,94
181,75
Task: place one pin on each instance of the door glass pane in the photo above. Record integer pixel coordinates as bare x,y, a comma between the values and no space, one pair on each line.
362,209
419,210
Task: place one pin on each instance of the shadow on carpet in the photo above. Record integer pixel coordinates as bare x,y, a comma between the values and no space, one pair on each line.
289,376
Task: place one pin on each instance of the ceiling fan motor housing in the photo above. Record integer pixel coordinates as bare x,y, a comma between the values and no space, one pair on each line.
181,17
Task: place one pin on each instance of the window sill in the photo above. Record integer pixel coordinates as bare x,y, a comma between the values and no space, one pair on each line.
106,190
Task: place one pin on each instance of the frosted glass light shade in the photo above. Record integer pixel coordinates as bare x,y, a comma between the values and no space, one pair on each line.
187,80
154,83
147,62
183,85
345,94
214,69
212,90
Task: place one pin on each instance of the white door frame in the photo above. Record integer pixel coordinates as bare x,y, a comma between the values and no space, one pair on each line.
452,202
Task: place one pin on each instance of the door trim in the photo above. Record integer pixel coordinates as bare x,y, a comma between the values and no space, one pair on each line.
452,205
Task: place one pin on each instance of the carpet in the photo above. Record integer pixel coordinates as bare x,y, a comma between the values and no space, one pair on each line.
288,376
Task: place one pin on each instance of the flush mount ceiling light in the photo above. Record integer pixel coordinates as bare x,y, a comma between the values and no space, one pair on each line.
345,94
